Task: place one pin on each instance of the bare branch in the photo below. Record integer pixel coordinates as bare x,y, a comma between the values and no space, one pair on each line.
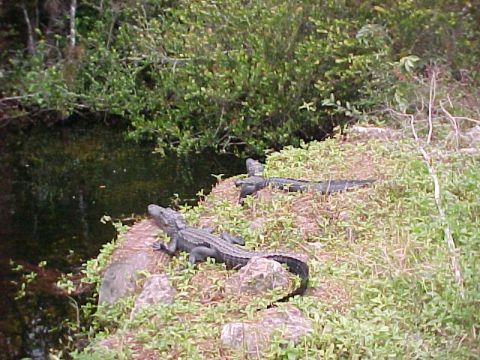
454,122
433,85
31,38
468,119
12,98
447,232
73,30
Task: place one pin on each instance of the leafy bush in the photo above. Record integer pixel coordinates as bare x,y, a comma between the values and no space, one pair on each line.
246,75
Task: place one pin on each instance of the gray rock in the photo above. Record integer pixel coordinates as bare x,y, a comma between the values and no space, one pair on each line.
156,290
344,215
316,246
470,151
374,132
258,276
254,337
258,223
121,277
467,141
473,136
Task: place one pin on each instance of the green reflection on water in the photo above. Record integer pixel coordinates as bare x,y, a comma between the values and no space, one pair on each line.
55,186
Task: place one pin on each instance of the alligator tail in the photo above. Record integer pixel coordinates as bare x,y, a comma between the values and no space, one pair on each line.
340,185
297,267
325,187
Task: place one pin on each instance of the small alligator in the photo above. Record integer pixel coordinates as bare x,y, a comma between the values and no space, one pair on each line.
201,244
255,182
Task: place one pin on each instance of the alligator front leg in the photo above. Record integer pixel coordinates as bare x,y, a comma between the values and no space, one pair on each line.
250,186
200,253
247,189
170,248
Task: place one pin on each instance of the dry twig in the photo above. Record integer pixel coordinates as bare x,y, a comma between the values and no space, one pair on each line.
454,122
431,101
447,232
431,170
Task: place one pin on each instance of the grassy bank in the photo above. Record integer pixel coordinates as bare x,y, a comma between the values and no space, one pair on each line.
381,284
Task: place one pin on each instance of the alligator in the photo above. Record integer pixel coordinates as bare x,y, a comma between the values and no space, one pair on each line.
255,182
200,244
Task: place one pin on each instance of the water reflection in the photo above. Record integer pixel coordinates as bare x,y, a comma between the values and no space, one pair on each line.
55,186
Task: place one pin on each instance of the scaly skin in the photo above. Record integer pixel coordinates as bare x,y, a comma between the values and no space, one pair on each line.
201,244
255,182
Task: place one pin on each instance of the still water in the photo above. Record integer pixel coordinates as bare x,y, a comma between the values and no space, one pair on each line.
55,185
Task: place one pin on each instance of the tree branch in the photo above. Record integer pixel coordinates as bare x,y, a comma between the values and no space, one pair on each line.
431,101
73,30
31,38
454,122
447,232
12,98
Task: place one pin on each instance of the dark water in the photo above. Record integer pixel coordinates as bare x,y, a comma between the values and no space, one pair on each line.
55,185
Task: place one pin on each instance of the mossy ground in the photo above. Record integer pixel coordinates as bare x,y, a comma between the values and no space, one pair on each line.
381,284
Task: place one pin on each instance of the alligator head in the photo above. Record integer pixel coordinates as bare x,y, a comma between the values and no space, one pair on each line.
254,167
166,219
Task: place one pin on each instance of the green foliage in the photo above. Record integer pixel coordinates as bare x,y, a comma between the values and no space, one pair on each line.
94,267
246,75
186,81
27,278
382,286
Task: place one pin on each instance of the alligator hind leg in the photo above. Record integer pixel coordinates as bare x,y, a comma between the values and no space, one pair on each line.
200,253
232,239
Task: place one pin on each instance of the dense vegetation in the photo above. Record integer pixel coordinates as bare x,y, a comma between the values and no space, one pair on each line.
252,75
230,74
381,286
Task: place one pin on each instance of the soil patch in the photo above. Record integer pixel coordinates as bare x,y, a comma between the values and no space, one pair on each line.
139,239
